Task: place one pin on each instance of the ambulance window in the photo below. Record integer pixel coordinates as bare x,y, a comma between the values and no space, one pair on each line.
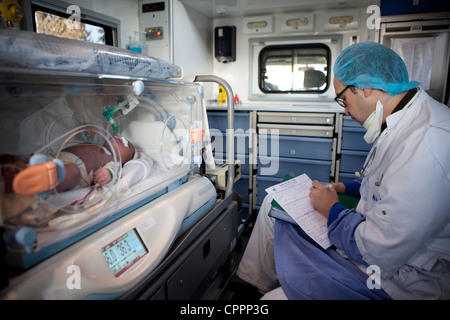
300,68
55,25
73,22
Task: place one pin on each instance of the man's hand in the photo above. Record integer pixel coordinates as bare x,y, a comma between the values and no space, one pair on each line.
322,199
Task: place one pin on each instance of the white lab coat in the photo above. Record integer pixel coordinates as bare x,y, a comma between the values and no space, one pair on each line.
407,231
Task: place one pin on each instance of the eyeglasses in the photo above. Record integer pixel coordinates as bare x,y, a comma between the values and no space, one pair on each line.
340,101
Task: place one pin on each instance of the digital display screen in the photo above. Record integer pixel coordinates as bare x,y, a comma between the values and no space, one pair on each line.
124,252
152,7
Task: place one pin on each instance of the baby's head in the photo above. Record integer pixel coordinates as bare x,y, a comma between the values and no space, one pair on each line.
125,148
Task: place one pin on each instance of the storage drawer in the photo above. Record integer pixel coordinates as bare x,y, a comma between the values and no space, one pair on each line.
193,271
296,147
353,139
280,167
219,120
297,130
352,161
263,184
346,177
296,118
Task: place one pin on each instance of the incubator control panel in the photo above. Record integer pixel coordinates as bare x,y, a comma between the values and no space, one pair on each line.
122,253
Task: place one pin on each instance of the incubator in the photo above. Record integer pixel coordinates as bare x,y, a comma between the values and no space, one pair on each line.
71,111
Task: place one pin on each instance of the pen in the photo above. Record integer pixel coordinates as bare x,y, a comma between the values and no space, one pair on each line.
329,186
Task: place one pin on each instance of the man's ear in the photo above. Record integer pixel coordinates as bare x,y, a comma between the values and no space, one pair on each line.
367,92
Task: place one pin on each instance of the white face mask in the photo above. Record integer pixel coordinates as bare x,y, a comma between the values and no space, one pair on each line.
373,124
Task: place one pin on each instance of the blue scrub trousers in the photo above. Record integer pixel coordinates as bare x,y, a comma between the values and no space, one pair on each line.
307,271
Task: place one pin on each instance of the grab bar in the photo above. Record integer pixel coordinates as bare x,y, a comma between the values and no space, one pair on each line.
230,130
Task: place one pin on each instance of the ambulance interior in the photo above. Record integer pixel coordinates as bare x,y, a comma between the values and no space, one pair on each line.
158,97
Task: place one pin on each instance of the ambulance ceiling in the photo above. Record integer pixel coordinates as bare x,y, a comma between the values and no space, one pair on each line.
236,8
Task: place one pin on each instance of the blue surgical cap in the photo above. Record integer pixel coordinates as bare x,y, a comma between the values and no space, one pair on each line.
373,65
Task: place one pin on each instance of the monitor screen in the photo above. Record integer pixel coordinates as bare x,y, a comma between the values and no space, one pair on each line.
122,253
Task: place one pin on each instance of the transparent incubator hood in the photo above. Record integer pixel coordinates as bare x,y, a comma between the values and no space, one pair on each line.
79,148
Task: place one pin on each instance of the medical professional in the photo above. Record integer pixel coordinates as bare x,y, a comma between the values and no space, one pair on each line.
396,243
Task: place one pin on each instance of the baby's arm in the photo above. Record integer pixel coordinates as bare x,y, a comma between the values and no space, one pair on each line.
102,177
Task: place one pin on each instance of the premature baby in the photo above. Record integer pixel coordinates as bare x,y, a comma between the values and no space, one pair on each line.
84,164
87,163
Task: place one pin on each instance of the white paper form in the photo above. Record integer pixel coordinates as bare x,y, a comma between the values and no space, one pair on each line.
293,196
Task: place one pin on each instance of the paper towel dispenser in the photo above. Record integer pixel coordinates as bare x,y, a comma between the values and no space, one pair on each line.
225,43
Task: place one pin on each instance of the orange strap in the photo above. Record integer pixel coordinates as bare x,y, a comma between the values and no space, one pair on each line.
197,135
36,179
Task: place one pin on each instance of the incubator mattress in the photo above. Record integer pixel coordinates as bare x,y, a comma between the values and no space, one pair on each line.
23,49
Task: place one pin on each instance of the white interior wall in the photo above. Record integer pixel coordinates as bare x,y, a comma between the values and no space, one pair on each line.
192,42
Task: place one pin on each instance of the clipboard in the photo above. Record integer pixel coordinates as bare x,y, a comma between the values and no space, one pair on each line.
278,212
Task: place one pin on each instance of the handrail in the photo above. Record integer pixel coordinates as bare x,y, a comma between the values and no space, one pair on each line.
230,130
